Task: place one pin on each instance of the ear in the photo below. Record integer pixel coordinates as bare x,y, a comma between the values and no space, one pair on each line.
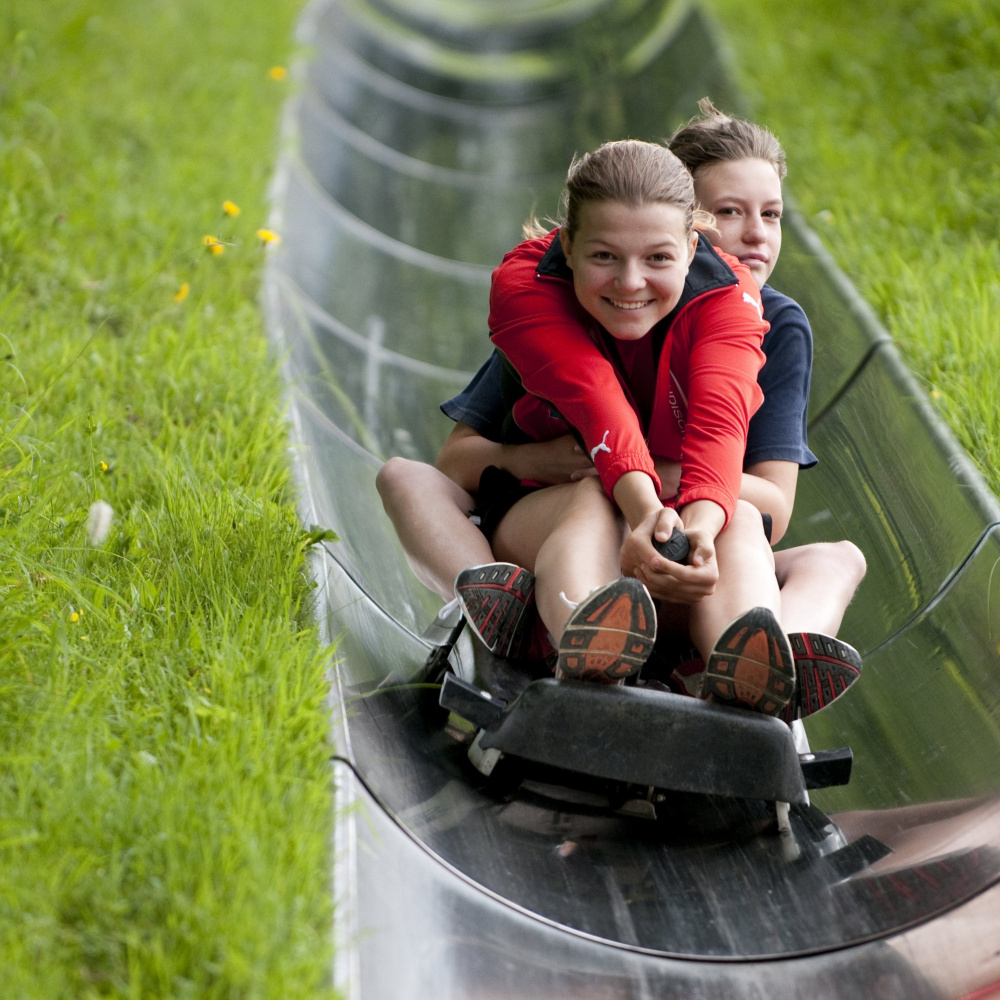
566,241
693,247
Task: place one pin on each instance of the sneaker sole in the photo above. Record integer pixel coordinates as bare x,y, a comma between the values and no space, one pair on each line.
610,635
752,665
825,668
494,599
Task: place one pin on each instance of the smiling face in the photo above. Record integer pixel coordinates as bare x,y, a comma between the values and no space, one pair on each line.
629,263
745,198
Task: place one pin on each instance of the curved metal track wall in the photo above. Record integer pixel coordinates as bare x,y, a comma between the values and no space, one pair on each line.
422,135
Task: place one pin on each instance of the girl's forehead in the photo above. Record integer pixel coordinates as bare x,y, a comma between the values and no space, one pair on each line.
616,221
738,177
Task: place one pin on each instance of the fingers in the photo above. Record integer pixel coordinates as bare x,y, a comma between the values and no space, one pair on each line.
680,584
665,579
560,460
666,521
702,547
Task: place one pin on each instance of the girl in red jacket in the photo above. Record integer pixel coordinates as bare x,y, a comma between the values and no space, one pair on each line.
627,327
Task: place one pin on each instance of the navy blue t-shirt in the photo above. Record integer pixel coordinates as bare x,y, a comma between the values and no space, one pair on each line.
777,431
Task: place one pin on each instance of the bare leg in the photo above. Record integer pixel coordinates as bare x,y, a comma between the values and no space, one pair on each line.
430,515
746,579
817,583
569,536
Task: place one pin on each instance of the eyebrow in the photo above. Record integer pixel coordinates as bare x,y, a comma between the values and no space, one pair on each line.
670,241
734,197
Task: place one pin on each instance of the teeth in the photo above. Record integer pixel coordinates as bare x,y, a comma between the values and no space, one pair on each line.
627,305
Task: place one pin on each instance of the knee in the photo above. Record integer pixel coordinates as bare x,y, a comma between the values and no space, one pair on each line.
587,507
747,523
842,564
746,529
397,479
851,561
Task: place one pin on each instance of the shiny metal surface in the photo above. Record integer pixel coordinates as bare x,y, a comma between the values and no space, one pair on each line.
429,307
405,198
707,879
924,724
872,486
423,133
484,949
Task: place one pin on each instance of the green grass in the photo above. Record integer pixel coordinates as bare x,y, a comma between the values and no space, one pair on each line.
164,786
890,114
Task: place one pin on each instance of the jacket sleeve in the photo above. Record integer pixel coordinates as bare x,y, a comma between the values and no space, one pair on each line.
723,393
542,330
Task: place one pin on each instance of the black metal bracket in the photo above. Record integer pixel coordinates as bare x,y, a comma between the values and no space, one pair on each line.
826,768
471,702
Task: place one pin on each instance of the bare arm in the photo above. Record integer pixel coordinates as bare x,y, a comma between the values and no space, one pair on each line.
670,477
770,487
466,453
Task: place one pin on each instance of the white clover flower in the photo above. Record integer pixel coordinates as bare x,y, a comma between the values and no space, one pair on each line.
99,519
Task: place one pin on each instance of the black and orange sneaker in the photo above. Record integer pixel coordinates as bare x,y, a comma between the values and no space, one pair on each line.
751,665
609,635
497,600
825,668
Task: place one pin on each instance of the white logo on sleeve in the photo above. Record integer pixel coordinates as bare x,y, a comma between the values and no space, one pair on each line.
600,447
747,297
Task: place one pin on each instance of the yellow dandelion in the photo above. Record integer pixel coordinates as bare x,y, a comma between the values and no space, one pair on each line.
935,394
230,208
75,616
277,73
213,244
182,293
268,236
104,466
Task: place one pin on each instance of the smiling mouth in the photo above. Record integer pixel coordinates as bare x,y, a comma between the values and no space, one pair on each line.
629,306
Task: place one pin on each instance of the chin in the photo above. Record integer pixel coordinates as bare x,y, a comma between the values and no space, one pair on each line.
630,333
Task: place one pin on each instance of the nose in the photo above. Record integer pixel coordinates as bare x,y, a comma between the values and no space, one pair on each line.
630,277
753,229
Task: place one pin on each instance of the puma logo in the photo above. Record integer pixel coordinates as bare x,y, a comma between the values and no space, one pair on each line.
600,447
747,297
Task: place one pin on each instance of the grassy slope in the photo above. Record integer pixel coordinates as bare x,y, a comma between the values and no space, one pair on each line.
164,799
890,113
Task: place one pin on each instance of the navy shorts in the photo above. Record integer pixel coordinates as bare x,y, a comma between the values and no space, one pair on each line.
498,491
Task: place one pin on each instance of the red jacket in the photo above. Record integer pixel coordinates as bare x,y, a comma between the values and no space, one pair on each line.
707,355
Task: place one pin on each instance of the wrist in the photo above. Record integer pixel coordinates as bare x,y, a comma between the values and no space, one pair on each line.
703,515
635,494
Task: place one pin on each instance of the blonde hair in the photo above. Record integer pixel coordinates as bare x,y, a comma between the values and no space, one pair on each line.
715,137
628,171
